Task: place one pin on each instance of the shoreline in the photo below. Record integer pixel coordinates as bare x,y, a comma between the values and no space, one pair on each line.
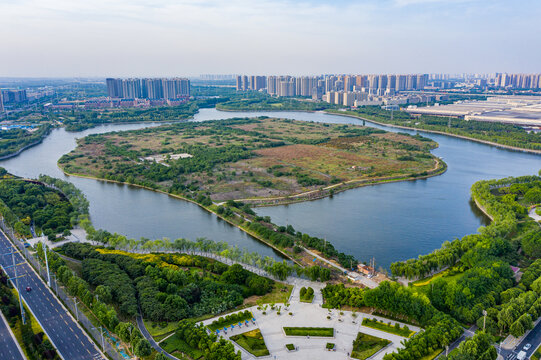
18,152
437,171
341,187
486,142
255,236
482,208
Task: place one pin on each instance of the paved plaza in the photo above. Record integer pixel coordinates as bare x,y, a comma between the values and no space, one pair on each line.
346,327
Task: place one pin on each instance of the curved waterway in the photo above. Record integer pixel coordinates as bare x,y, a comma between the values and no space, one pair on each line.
390,222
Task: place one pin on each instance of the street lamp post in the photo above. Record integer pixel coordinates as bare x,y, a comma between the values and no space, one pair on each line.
484,319
47,265
76,309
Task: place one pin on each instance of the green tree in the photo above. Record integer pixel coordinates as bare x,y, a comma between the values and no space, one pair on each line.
142,348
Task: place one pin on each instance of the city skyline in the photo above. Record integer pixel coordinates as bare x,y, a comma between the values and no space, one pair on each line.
56,38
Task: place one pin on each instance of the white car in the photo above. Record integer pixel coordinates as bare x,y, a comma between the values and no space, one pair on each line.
527,347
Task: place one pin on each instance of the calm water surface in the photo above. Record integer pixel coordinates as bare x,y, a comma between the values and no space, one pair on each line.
391,222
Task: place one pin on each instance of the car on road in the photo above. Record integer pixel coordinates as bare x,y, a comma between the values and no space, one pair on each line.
521,355
527,347
28,289
26,245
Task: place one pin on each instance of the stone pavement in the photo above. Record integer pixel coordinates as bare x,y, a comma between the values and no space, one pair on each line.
346,327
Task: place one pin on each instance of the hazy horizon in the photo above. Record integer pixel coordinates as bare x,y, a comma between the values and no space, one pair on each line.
61,38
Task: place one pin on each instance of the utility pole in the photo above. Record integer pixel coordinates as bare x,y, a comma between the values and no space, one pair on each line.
47,265
484,319
16,278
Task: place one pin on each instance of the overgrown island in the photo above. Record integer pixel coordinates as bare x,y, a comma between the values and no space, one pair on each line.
227,165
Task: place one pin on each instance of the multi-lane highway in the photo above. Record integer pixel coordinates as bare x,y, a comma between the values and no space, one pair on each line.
63,331
9,349
533,338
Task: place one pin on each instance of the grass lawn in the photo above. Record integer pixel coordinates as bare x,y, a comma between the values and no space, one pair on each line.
280,294
290,347
309,331
366,345
253,342
159,330
537,354
176,344
422,285
379,325
307,300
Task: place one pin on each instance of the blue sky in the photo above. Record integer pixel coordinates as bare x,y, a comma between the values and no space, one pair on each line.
190,37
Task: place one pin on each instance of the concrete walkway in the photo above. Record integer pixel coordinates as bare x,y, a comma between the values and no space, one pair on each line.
534,215
77,235
346,327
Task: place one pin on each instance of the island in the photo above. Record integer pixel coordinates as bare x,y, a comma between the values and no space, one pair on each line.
259,161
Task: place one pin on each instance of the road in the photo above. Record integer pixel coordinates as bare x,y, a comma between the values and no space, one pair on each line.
9,348
363,279
533,338
154,344
465,335
62,330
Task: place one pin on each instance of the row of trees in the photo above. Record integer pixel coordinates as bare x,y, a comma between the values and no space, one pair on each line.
398,301
97,302
213,348
169,286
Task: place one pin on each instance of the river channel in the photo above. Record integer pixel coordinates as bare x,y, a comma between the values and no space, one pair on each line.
390,222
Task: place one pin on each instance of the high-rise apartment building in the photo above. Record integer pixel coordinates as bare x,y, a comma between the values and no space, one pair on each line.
14,96
1,104
154,89
518,81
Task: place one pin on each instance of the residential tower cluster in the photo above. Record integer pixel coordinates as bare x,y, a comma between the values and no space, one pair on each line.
152,89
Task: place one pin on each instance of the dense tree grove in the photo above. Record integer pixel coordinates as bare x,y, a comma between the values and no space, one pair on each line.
388,296
479,347
477,289
396,300
169,286
254,101
81,120
114,281
14,140
28,204
197,337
